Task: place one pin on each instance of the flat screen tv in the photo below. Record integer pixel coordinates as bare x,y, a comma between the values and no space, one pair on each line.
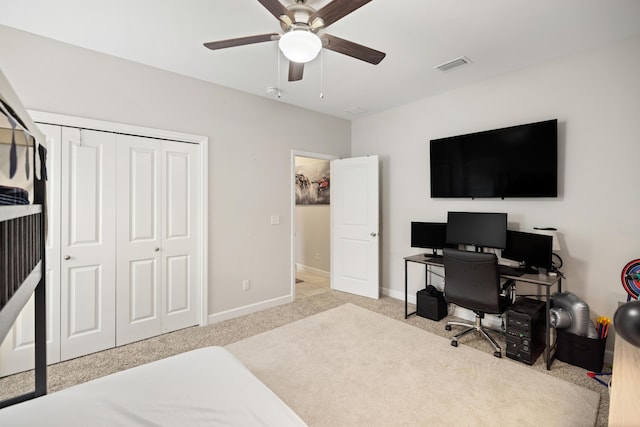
518,161
480,229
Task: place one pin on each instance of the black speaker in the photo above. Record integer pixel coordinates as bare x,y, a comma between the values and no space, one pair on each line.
431,304
525,330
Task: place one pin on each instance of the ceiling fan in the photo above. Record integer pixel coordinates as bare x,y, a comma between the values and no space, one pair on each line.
301,41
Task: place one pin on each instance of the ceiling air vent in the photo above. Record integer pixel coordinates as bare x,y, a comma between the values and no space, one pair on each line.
463,60
355,110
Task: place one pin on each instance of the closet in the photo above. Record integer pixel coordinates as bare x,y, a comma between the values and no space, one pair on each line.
157,237
124,249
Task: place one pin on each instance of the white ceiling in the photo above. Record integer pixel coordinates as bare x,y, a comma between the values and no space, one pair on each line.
496,35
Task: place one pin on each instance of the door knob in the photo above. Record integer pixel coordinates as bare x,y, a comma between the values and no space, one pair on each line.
67,257
156,249
373,234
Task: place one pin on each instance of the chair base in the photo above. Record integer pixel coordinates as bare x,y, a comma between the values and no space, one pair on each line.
477,327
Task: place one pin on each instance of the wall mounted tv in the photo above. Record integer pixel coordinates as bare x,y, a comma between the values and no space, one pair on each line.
518,161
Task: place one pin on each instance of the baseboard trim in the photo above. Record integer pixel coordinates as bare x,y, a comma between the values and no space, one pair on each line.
314,270
248,309
411,299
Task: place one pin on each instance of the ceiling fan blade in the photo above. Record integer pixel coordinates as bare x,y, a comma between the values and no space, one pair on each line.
337,9
295,71
222,44
276,8
352,49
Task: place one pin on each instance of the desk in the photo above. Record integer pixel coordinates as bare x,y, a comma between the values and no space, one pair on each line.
623,409
536,279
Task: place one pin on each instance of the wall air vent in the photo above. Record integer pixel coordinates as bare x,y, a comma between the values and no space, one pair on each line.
454,63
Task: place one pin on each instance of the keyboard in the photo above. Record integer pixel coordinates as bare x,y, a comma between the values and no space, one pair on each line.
510,271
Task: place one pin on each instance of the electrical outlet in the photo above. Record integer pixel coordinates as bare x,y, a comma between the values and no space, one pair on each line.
246,285
317,255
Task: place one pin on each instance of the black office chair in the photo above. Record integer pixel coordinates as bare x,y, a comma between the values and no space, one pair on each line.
472,281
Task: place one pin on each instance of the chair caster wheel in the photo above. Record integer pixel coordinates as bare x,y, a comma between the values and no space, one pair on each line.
454,343
447,327
497,354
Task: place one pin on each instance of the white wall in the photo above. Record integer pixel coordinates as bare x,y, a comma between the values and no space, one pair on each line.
312,236
313,221
596,98
249,159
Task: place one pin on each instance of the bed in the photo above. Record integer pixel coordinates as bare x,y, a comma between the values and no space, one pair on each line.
208,386
22,226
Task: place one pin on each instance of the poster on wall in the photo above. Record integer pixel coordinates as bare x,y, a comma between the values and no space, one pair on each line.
312,181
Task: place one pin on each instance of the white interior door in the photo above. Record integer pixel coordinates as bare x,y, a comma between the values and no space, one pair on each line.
87,247
17,349
139,241
355,226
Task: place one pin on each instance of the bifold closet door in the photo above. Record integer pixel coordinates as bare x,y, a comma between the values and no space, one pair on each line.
87,246
181,236
157,253
17,349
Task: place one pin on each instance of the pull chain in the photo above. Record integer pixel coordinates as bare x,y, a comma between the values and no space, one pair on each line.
321,74
278,94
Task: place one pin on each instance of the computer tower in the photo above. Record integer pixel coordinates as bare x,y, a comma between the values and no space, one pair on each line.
525,330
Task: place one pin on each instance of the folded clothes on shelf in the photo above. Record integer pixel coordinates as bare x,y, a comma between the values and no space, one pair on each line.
13,196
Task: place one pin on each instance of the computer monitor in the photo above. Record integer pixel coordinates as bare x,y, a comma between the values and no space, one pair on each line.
531,250
481,229
429,235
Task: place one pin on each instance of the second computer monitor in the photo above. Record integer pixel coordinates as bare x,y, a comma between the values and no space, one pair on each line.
530,249
429,235
480,229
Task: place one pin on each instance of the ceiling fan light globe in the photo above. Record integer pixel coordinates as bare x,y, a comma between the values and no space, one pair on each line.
300,46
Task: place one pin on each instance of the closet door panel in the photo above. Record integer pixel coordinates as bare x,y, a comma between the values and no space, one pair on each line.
143,290
178,277
143,194
85,288
178,182
139,240
87,246
54,175
181,235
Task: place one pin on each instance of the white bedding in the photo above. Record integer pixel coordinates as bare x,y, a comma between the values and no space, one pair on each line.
205,387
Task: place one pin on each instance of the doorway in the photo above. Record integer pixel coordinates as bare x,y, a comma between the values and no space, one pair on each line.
311,224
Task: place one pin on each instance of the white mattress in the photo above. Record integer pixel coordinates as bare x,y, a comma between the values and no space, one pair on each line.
205,387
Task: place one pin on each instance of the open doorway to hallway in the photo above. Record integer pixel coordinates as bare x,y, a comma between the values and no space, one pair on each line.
311,229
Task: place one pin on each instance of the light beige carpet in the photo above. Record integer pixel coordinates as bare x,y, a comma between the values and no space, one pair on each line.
349,366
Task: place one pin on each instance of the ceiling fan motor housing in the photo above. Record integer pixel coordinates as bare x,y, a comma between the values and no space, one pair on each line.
301,14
